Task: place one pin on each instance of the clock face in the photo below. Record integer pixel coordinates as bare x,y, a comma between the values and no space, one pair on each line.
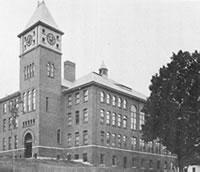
51,39
29,40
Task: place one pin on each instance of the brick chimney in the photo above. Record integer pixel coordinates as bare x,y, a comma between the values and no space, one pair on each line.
69,71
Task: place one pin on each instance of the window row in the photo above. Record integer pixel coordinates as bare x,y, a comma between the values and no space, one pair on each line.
29,101
50,70
28,123
76,139
7,144
11,123
77,98
29,71
112,99
14,103
119,120
77,117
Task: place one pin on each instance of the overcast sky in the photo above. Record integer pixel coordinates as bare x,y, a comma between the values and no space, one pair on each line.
133,37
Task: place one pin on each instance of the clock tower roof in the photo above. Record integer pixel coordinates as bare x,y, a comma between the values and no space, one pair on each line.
41,16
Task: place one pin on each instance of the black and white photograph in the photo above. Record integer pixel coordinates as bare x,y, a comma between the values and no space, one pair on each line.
100,86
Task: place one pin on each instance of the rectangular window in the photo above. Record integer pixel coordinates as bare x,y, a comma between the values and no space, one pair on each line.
25,73
50,70
141,120
69,139
9,123
85,95
76,156
119,140
114,119
114,160
102,157
9,143
77,116
108,117
4,144
4,108
4,124
158,164
125,141
142,145
102,137
119,121
85,137
85,115
69,100
193,169
77,98
15,142
150,146
150,163
113,139
102,116
85,159
69,119
108,138
59,136
47,104
77,139
133,143
133,162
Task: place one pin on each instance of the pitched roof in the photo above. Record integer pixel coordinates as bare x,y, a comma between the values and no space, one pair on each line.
94,77
42,14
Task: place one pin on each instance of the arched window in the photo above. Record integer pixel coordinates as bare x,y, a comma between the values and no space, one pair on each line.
124,103
25,102
119,102
124,121
33,99
102,96
108,98
29,101
133,117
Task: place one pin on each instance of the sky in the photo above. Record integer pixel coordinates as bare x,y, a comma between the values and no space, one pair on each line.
133,37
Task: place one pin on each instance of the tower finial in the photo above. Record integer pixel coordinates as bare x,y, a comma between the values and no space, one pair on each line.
40,2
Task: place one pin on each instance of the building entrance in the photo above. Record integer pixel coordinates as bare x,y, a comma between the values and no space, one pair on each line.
28,145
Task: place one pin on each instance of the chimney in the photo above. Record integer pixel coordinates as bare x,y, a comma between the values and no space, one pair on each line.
69,71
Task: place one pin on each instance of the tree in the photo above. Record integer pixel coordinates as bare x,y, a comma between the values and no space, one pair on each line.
173,107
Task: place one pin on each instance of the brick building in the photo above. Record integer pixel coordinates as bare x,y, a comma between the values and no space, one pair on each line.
92,118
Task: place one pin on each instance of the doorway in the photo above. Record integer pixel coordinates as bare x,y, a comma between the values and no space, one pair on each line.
28,145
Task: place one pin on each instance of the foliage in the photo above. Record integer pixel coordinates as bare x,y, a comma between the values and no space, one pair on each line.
173,108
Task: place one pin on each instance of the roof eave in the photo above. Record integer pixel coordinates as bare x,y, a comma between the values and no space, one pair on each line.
40,23
15,94
105,86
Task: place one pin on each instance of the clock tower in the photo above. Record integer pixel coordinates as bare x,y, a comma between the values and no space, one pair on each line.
40,81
